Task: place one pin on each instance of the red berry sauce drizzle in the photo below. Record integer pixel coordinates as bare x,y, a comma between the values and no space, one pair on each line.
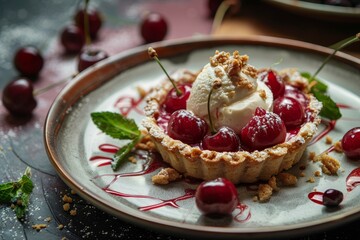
353,179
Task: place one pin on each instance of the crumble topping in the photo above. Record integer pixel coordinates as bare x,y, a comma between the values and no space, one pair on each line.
39,226
265,192
338,147
328,140
165,176
330,165
262,94
311,180
287,179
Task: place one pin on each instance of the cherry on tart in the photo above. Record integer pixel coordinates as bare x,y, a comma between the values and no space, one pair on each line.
290,111
295,93
332,198
90,56
186,127
72,38
153,27
223,140
351,143
264,130
176,101
18,97
28,61
267,151
218,197
178,95
94,18
274,82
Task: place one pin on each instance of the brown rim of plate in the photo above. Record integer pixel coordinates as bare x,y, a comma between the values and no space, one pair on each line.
92,78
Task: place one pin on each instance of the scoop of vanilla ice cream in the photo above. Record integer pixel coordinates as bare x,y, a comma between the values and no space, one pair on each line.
234,103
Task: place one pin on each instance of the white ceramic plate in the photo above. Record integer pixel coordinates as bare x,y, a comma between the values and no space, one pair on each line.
77,151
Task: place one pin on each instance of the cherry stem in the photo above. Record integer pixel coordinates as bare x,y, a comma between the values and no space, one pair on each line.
219,15
86,24
340,46
212,129
58,83
215,85
152,53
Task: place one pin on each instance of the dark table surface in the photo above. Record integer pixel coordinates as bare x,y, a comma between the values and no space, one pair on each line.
38,23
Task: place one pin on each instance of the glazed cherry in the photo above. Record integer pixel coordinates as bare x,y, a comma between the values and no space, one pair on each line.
265,129
18,97
274,82
295,93
186,127
89,57
28,61
351,143
290,111
218,196
224,140
332,198
153,28
94,18
72,38
174,102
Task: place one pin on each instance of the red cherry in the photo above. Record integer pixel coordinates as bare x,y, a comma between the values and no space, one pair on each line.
89,57
153,28
274,82
332,198
72,38
295,93
28,61
186,127
218,196
351,143
94,18
18,97
225,140
290,111
174,102
265,129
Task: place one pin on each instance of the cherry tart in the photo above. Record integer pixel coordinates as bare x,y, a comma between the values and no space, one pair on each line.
253,160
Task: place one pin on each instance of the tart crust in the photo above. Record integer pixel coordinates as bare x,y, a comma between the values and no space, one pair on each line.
238,167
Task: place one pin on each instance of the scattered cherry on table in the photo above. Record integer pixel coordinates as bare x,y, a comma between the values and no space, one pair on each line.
153,27
18,97
72,38
94,19
90,56
28,61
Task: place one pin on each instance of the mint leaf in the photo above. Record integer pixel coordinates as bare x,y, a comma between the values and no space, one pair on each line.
6,190
115,125
17,193
122,154
319,85
329,110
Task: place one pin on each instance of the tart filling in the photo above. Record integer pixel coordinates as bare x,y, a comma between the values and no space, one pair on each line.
242,92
